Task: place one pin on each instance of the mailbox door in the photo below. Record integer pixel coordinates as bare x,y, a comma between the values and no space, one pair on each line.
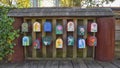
59,29
36,44
59,43
94,27
36,27
70,40
47,27
81,30
91,41
70,26
47,40
24,27
81,43
25,41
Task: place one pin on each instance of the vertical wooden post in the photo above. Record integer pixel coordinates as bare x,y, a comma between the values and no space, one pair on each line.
93,48
85,49
54,38
25,49
75,37
64,38
43,47
33,39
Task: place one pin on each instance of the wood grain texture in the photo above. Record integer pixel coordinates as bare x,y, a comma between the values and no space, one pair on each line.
75,37
64,36
105,39
34,55
43,46
54,38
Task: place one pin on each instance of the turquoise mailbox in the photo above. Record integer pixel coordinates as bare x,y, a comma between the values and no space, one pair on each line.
70,40
59,29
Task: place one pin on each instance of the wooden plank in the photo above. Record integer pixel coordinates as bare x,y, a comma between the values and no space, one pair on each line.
25,49
64,37
82,64
43,47
42,63
54,38
33,64
75,36
65,64
23,65
92,64
107,64
33,39
9,65
52,64
116,63
75,64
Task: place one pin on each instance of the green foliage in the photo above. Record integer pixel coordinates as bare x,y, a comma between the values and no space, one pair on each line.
15,3
7,33
84,3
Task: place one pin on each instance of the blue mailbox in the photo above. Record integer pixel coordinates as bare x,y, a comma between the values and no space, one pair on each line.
25,41
47,27
81,43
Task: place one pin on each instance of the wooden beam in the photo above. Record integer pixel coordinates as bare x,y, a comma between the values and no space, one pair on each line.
33,39
54,38
64,38
75,37
85,49
43,47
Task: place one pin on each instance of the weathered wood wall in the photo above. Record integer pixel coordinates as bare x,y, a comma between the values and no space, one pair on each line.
18,54
105,39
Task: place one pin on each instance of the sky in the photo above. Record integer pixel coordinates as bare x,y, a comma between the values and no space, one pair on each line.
116,3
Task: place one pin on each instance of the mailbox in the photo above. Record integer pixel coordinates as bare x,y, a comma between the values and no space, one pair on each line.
81,30
47,27
81,43
70,40
36,27
24,27
36,44
92,27
91,40
47,40
25,41
70,26
59,29
59,43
